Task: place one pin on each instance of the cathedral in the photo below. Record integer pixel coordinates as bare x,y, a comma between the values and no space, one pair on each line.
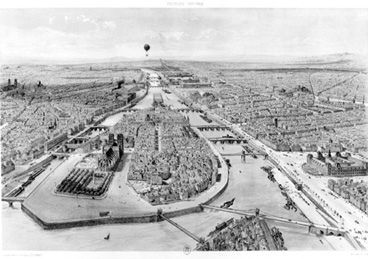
112,151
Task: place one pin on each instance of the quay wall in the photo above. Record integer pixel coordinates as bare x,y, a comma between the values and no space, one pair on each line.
144,218
120,109
218,194
303,190
36,166
98,122
318,206
141,218
214,118
177,213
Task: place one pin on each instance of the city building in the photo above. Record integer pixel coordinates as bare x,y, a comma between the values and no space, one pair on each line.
7,167
10,86
353,191
112,152
337,165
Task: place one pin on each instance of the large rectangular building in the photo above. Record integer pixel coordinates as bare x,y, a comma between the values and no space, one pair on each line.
337,166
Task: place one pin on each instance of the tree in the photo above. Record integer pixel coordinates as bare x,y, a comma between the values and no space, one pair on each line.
159,211
195,96
202,240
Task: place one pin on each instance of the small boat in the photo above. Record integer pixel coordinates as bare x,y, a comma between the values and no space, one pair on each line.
107,237
227,204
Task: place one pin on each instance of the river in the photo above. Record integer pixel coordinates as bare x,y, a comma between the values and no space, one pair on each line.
248,184
248,187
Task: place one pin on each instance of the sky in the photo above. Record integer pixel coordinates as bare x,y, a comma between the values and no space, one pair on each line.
62,34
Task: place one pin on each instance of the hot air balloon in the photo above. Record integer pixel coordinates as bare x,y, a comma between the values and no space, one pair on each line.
146,48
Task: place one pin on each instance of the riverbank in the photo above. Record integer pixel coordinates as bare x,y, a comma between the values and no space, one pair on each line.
55,211
138,218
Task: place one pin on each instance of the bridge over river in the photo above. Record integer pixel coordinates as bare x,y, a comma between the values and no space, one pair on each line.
228,140
313,228
212,127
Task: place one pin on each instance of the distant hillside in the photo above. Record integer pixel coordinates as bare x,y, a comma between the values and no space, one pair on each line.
343,60
339,60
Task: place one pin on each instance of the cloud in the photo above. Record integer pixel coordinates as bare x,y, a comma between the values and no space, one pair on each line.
207,34
84,19
174,35
110,25
51,20
312,41
299,41
165,36
43,42
194,19
87,32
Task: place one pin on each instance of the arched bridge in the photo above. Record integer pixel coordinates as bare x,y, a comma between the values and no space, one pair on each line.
212,127
78,140
245,154
225,140
188,110
99,128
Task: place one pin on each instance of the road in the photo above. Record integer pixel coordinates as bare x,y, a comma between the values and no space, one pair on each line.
346,214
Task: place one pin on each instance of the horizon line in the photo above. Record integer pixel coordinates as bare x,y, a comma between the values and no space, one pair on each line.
208,58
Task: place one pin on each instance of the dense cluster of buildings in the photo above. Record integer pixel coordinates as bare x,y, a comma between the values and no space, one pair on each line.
349,86
245,234
170,162
186,80
10,109
194,83
7,167
175,77
336,166
287,109
39,116
353,191
9,86
37,129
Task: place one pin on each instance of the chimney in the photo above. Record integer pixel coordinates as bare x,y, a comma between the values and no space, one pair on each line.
9,82
15,82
